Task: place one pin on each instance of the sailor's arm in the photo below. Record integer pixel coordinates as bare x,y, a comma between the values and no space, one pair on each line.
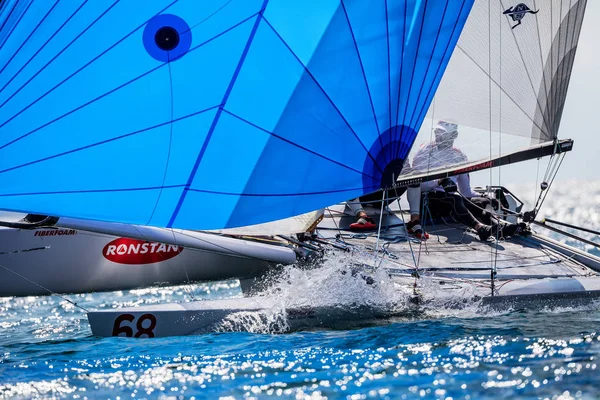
463,182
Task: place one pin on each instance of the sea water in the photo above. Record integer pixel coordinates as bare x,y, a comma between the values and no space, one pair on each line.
47,351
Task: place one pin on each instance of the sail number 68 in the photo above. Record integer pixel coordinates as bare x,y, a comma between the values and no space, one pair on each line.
143,327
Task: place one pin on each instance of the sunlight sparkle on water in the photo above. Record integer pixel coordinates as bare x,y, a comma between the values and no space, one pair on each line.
47,351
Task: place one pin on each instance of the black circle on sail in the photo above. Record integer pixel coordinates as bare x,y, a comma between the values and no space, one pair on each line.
386,157
166,38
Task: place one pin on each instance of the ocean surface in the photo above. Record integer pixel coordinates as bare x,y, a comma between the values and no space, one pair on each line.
47,350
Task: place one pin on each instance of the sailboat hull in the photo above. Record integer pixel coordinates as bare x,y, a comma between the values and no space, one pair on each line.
245,314
533,272
64,260
238,314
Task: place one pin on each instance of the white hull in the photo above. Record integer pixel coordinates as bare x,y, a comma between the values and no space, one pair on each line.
533,272
78,261
201,317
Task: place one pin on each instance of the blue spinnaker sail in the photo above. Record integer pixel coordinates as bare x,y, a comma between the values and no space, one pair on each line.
212,114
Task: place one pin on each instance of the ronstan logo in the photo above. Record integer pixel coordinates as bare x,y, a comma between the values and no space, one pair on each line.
131,251
518,13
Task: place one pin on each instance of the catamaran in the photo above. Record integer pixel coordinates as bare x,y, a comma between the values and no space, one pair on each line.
238,113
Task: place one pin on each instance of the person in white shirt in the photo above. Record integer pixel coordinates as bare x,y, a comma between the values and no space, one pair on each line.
467,206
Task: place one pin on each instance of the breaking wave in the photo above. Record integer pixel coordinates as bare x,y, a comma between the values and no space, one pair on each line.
346,290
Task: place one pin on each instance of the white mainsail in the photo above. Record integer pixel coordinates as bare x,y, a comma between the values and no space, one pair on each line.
506,84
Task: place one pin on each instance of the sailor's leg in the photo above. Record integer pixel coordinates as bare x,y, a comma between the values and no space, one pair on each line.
437,205
478,207
363,221
452,204
355,206
413,195
414,227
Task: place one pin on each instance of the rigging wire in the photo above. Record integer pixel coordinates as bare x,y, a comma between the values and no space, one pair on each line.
412,253
188,285
493,266
552,169
545,193
339,234
537,180
383,198
50,292
495,272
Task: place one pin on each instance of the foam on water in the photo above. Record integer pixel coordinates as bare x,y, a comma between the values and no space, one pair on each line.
335,284
339,284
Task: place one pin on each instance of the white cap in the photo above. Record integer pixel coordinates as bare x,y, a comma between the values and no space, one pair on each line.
447,126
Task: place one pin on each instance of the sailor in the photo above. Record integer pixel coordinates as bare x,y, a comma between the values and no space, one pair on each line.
454,196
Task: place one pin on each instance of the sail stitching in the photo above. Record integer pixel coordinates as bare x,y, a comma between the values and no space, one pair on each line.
281,194
431,92
170,140
551,58
54,58
558,76
90,191
441,65
207,18
107,140
29,37
43,46
9,14
528,74
215,121
389,72
117,88
499,87
414,67
562,59
541,62
554,73
574,48
437,37
79,107
401,68
362,68
297,145
15,26
566,66
326,95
